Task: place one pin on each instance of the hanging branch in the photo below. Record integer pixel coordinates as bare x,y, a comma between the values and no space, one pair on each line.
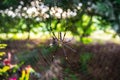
65,31
65,27
51,30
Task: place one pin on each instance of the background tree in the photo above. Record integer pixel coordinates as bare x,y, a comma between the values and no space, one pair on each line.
72,12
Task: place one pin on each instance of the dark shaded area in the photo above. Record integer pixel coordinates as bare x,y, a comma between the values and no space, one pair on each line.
103,65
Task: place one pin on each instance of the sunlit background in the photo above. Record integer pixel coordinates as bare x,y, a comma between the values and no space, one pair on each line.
34,19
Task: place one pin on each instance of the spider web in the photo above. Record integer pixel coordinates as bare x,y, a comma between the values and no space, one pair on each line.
59,39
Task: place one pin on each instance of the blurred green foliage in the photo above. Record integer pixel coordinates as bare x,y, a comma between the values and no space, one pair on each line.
28,57
47,50
69,75
90,16
84,60
3,46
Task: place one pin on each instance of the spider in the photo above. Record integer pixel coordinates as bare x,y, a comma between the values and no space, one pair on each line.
61,42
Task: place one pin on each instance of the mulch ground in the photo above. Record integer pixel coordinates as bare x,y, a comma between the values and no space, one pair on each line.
104,65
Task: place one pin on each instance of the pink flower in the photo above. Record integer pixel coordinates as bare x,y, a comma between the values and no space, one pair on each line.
14,78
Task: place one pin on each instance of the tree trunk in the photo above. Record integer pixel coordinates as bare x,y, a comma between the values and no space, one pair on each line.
28,37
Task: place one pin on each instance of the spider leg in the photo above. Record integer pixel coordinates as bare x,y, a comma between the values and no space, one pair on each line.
69,47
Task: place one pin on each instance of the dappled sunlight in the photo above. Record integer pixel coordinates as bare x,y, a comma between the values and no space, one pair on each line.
59,40
105,36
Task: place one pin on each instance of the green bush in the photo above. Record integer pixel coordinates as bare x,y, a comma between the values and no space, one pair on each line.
84,59
69,75
29,57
